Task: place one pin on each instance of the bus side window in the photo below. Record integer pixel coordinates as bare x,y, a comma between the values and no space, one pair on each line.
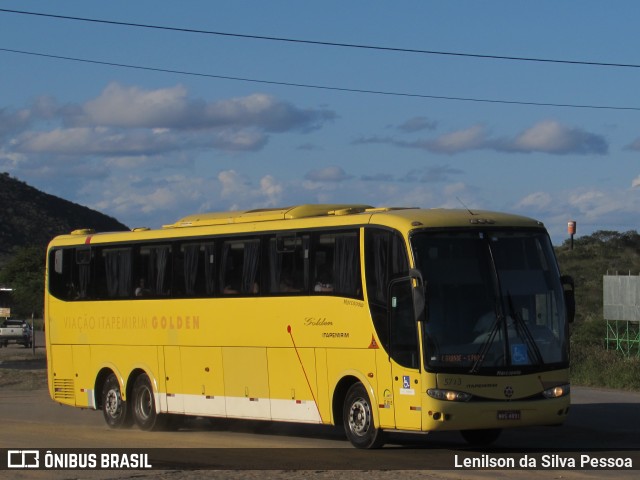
118,269
70,274
83,272
385,258
61,284
288,264
239,271
152,274
337,264
194,270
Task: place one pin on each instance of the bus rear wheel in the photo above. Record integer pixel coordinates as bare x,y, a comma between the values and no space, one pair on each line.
144,405
115,409
358,419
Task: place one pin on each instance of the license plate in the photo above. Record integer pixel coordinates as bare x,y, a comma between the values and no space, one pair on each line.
509,415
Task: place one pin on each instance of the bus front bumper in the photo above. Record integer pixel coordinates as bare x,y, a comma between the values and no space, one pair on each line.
445,415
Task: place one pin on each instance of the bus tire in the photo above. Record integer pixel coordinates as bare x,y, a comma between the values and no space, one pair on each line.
115,409
358,419
481,438
144,405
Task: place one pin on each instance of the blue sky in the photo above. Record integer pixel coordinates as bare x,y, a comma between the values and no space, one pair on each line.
149,147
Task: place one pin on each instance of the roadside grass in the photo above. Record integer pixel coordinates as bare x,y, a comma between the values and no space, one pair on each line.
592,365
595,367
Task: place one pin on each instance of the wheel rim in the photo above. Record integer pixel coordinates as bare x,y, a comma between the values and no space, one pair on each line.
360,417
145,404
112,404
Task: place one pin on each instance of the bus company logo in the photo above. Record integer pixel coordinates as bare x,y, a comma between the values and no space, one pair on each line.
317,322
508,391
23,459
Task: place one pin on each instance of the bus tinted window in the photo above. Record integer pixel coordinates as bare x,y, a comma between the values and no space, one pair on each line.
117,263
319,262
240,265
289,264
153,271
337,264
385,258
194,270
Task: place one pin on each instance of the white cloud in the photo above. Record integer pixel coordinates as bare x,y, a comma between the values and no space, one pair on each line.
594,204
233,184
141,201
82,141
120,106
10,161
237,140
244,194
535,201
546,137
16,121
129,121
472,138
593,209
133,107
328,174
271,189
11,121
454,189
552,137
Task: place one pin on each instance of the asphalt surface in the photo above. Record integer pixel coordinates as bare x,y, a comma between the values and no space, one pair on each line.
603,425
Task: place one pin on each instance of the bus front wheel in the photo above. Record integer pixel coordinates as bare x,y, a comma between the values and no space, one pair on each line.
114,408
144,405
358,419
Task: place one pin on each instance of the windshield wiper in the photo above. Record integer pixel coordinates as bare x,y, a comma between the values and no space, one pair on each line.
486,345
524,332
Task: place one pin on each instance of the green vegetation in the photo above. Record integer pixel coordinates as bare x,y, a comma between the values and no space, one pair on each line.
25,273
592,257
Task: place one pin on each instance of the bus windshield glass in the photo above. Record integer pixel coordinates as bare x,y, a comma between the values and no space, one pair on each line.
495,302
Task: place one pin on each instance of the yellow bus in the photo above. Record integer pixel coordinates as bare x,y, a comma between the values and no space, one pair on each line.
375,319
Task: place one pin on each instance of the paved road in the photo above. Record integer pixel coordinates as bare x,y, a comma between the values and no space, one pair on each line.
602,423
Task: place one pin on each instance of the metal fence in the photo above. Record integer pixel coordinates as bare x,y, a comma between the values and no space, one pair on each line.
621,311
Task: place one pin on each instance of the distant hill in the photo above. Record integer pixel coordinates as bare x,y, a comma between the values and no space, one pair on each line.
31,217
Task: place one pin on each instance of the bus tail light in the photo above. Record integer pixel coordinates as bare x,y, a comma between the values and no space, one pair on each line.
450,395
557,392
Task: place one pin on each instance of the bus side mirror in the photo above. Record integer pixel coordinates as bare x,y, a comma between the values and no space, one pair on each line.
419,294
568,288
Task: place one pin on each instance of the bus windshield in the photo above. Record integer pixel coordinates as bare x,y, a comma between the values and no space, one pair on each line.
495,302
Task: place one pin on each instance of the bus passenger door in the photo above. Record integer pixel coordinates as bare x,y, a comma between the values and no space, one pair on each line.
405,356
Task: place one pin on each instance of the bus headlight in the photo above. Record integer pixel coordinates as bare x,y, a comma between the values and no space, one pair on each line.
450,395
557,392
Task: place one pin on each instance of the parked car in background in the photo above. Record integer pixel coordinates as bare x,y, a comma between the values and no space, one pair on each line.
16,331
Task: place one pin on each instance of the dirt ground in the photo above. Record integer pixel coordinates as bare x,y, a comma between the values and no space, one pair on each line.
23,370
